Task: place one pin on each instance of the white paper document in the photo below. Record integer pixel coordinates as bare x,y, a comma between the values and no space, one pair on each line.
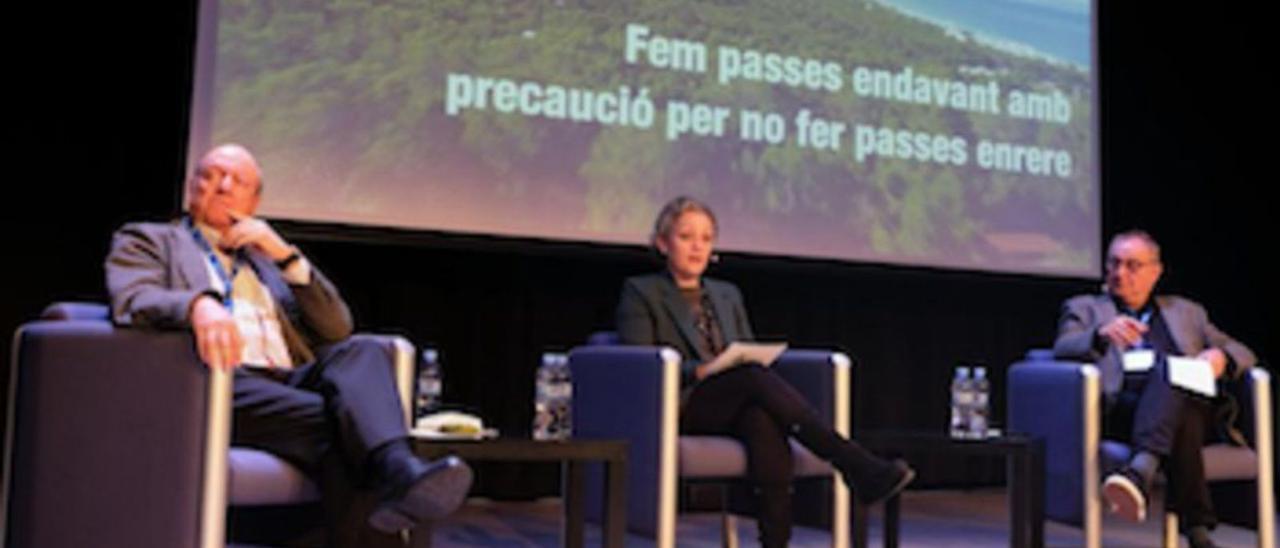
1138,361
745,352
1192,374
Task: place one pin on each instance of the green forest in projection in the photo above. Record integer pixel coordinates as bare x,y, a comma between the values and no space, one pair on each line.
904,138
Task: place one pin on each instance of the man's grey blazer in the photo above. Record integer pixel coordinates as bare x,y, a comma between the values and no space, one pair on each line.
1187,321
155,270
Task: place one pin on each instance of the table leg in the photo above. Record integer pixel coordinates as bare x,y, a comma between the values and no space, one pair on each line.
1035,478
615,510
420,536
859,525
892,508
574,515
1026,496
1018,498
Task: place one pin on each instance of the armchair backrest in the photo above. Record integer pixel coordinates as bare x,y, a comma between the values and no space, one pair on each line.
1039,354
604,338
76,311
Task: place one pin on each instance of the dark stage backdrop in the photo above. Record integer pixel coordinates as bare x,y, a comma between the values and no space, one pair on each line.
1183,156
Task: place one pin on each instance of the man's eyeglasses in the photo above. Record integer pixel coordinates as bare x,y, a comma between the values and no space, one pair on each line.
1132,265
215,176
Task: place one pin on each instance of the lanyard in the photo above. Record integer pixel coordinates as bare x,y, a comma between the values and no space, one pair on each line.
227,278
1145,318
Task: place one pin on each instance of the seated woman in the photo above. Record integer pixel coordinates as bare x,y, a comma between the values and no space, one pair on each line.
699,317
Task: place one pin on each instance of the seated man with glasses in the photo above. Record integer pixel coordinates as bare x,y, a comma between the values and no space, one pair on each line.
1129,332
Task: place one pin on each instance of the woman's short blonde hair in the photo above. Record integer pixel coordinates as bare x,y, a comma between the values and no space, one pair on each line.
671,213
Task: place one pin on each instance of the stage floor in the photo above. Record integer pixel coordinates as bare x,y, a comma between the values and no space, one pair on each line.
930,518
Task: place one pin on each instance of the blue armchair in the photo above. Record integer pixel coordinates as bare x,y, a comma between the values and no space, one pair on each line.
120,437
1060,401
633,393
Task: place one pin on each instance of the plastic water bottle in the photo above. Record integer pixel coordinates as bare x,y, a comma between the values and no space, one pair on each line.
961,402
562,400
544,392
981,404
430,384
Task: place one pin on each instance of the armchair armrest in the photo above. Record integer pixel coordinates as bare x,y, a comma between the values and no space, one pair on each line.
403,367
1264,443
121,432
1059,402
632,393
1252,387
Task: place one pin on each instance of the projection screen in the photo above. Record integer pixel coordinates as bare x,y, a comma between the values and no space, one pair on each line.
912,132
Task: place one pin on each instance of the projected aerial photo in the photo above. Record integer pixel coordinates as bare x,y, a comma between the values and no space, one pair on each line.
915,132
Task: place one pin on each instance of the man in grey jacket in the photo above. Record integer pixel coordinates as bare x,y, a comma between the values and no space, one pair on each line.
303,390
1129,333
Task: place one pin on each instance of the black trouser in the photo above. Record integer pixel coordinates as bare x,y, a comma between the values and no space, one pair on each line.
1172,424
325,418
760,409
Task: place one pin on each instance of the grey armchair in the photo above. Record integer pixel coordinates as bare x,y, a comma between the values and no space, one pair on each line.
120,437
632,393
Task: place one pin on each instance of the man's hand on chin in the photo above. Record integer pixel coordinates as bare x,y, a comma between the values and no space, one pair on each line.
252,231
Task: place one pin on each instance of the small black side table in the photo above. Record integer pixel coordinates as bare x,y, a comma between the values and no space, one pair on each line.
573,454
1025,476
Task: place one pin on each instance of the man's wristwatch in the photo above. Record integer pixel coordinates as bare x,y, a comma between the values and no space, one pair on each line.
293,257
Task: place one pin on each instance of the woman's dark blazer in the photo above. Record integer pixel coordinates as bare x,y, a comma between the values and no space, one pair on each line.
652,312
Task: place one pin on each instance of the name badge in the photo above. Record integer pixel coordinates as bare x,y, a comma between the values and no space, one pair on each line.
1138,361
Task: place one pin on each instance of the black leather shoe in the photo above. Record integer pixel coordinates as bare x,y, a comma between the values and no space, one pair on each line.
1198,537
884,485
429,490
1201,543
1126,494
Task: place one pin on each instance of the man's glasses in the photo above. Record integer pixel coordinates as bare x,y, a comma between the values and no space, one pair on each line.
215,176
1132,265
